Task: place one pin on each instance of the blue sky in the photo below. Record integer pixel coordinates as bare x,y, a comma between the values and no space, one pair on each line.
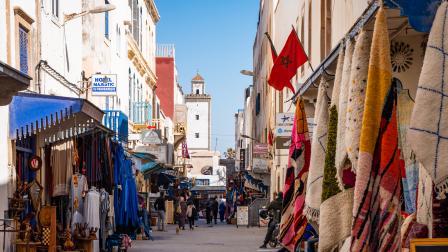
215,37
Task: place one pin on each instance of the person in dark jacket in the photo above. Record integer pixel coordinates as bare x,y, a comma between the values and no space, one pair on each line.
222,209
215,207
276,208
159,205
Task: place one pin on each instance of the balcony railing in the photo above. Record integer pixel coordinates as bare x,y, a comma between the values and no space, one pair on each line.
117,121
141,113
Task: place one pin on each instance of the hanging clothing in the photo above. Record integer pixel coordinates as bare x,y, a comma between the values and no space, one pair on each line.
62,166
318,150
294,222
78,189
92,214
104,211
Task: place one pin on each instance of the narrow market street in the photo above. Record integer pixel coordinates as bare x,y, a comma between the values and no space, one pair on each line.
219,238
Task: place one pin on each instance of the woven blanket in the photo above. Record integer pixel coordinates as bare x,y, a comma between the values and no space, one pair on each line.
378,181
337,80
356,96
404,112
424,199
377,219
341,150
428,132
318,149
336,220
294,222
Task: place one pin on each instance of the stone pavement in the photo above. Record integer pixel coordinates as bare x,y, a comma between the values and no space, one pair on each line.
220,238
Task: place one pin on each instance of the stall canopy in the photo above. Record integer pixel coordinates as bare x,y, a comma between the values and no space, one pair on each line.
31,113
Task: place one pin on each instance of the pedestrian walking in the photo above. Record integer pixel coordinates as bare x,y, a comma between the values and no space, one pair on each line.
182,213
191,213
215,207
222,210
159,205
209,212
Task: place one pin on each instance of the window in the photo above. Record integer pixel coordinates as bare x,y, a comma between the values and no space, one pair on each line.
55,8
197,91
197,117
196,135
258,104
106,22
23,47
118,40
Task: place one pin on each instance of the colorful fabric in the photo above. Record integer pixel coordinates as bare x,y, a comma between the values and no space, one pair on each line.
341,150
376,225
356,96
285,66
318,150
410,182
424,199
378,188
293,222
428,132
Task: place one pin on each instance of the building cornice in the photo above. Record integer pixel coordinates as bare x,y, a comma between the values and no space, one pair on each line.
137,59
152,9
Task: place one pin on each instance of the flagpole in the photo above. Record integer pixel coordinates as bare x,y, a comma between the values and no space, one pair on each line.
272,44
309,63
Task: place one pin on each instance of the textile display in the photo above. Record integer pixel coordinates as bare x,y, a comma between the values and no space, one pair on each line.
341,150
335,223
404,111
356,96
424,198
377,189
377,217
293,222
92,214
318,150
428,132
61,163
78,189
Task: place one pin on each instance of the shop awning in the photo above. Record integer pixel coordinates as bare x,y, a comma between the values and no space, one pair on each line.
150,167
31,112
12,81
144,155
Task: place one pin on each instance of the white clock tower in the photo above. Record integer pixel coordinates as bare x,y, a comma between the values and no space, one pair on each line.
199,115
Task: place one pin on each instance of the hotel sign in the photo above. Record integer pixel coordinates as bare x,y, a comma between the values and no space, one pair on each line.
104,84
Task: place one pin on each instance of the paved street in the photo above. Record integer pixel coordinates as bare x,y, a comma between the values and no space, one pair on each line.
220,238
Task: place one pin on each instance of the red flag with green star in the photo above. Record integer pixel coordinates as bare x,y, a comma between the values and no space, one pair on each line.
285,66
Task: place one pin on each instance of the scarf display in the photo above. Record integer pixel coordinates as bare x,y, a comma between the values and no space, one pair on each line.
378,183
293,222
318,150
410,182
428,132
341,150
356,96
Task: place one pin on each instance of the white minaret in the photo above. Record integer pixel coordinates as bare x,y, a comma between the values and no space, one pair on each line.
199,115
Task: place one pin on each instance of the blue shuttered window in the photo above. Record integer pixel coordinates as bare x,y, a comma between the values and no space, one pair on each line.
23,47
106,22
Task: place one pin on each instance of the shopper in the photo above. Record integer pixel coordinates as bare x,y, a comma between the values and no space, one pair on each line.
209,212
182,213
191,213
215,207
222,209
159,205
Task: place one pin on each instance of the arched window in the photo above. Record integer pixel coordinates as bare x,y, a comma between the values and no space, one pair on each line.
197,91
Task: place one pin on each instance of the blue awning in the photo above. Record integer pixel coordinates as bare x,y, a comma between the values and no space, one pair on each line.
144,155
37,112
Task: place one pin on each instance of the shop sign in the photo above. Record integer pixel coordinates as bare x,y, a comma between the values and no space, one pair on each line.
151,136
260,149
260,165
242,159
284,119
35,163
283,131
104,84
159,150
282,143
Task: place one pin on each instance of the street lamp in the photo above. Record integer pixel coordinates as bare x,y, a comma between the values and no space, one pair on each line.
95,10
247,72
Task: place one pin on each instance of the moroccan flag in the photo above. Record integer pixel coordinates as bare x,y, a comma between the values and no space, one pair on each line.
285,66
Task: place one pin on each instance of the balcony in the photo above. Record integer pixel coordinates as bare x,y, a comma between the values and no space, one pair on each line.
117,121
141,114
